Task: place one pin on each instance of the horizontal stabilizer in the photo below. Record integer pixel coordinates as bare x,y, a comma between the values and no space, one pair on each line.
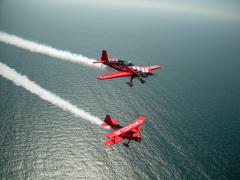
98,61
104,124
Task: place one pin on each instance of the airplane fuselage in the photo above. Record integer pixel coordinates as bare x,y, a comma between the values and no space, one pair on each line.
113,63
126,134
118,67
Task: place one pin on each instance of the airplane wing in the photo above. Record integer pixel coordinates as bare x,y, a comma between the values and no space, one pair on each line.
133,126
113,140
152,67
115,74
137,129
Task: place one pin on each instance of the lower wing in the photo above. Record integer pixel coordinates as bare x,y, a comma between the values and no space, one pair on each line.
113,140
115,74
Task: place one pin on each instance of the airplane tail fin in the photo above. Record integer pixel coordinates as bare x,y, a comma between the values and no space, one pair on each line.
113,123
104,57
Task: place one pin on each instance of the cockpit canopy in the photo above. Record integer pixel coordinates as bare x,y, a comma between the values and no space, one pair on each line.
125,63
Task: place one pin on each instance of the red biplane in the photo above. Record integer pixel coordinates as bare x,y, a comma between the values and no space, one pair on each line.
125,68
130,131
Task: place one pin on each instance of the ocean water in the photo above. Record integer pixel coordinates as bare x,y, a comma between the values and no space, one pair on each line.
192,103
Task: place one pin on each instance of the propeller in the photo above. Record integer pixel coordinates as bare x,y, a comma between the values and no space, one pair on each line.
150,71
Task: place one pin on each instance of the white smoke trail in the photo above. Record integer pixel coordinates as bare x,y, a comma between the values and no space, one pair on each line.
23,81
44,49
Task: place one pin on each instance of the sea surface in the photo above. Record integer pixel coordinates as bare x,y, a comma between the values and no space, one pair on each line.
192,103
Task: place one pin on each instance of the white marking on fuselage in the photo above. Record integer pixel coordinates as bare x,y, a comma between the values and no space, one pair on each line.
127,128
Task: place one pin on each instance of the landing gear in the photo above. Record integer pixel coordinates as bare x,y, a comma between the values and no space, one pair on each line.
126,144
142,81
130,82
140,77
138,140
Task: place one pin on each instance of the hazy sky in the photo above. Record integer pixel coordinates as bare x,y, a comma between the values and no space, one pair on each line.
229,9
215,8
226,9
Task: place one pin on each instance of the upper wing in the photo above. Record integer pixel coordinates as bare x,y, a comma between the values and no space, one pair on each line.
114,74
113,140
133,126
152,67
137,129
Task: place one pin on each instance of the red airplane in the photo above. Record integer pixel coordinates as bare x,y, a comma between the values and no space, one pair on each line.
125,68
130,131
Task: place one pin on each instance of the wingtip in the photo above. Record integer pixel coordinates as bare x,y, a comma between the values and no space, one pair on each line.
99,77
157,66
144,118
108,142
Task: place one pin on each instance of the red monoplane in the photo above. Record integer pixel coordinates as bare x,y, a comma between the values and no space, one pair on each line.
130,131
125,68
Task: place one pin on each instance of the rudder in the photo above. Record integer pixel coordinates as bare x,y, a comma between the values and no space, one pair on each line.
110,122
104,56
